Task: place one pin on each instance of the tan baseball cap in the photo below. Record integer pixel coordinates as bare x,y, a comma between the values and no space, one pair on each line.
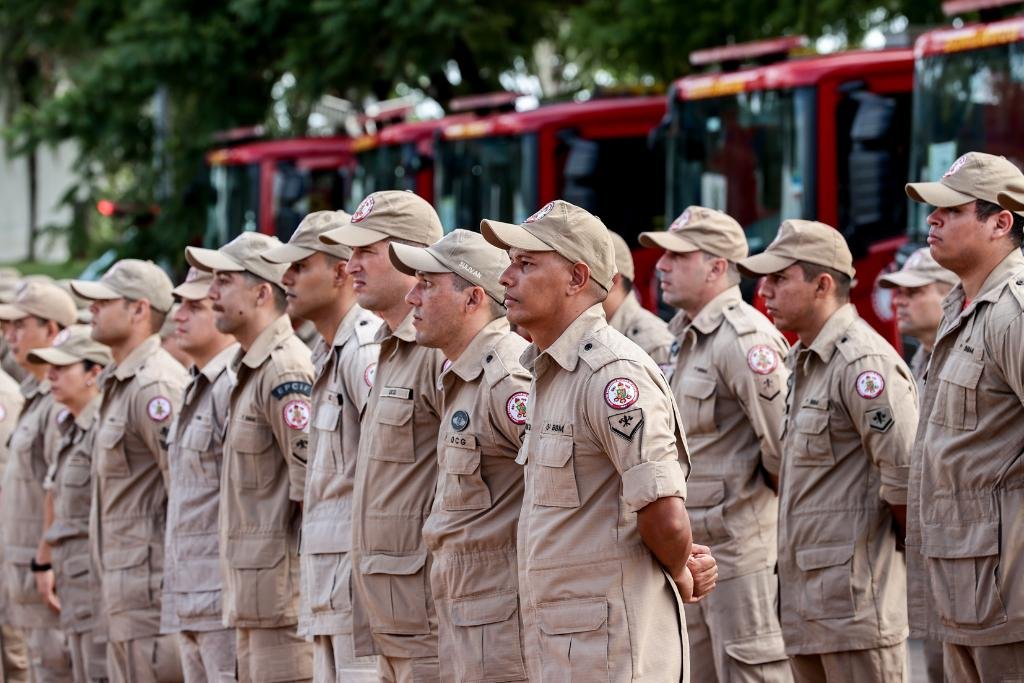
306,239
43,300
565,229
130,279
1012,198
800,240
701,229
623,256
73,345
241,254
919,270
196,286
390,213
465,253
975,175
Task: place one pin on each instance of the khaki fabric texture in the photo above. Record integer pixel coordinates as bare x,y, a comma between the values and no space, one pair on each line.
701,229
88,657
240,254
472,526
974,175
390,213
192,576
396,473
565,229
344,378
603,434
141,395
965,544
623,256
729,381
43,300
919,270
334,661
644,329
979,663
851,413
11,402
13,654
273,655
48,658
465,253
208,656
130,279
32,446
152,659
70,482
305,241
852,666
800,240
266,444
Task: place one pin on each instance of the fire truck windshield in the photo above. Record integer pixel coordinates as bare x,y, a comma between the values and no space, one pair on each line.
747,154
490,177
388,167
964,101
236,205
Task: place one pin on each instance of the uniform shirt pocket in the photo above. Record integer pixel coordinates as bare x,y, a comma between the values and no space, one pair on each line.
486,634
111,459
956,400
394,431
399,586
555,473
698,405
827,580
254,465
811,442
327,437
574,639
196,443
126,579
263,574
464,485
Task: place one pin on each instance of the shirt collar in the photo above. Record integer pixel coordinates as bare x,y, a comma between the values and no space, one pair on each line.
824,345
218,363
566,349
131,363
470,363
32,387
405,331
268,340
85,418
626,310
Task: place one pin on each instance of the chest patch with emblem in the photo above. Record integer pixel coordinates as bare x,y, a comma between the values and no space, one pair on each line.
296,414
621,393
515,407
370,374
870,384
762,359
460,420
158,409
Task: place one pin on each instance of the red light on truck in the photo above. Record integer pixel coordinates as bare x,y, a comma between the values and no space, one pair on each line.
752,50
106,207
953,7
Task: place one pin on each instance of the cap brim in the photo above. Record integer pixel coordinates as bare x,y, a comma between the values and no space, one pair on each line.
668,242
509,236
53,357
286,253
1010,201
408,259
937,194
12,312
94,291
211,259
192,291
902,279
764,263
352,236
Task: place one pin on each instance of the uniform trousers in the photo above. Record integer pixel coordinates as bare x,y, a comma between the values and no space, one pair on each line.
88,657
408,670
153,659
335,662
981,664
273,655
48,657
933,661
207,655
875,665
15,657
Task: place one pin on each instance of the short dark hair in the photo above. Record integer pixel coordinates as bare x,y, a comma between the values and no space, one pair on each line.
843,281
280,298
983,210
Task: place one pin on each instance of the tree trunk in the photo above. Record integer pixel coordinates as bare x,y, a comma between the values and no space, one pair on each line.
32,160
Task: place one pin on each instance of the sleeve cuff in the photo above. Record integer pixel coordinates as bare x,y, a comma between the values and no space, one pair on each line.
649,481
894,485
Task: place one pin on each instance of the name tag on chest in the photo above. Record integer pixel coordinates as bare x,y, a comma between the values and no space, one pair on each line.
396,392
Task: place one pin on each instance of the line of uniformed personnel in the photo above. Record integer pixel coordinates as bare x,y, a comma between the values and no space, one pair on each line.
430,497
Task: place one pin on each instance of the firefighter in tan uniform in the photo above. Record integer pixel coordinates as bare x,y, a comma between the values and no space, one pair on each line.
471,529
626,315
918,290
37,316
603,539
266,443
729,381
193,586
141,393
13,658
965,540
76,361
319,290
396,465
851,412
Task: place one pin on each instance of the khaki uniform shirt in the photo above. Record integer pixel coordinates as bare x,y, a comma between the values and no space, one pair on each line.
265,448
965,537
141,394
344,376
851,416
918,365
729,381
472,528
8,363
644,329
32,448
70,482
11,402
396,472
603,440
192,579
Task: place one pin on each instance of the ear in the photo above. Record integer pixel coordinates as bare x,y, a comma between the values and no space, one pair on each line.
340,273
579,278
477,298
1003,225
824,285
94,371
264,294
616,280
718,266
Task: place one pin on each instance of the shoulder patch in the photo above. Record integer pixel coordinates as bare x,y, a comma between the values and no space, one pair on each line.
296,414
739,321
762,359
370,374
625,425
516,406
158,408
879,419
621,393
282,390
870,384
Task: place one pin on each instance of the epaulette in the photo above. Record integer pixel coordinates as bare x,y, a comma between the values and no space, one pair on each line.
285,361
495,369
739,321
366,332
1016,286
596,354
854,344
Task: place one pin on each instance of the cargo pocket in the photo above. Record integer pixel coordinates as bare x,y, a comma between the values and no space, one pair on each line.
961,550
261,575
757,650
394,431
76,472
487,636
195,444
111,460
574,640
464,485
707,516
21,583
255,467
126,580
812,445
828,576
555,483
956,402
76,587
327,580
698,394
398,585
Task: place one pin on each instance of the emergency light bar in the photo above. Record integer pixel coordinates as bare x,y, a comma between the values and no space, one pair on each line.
952,7
752,50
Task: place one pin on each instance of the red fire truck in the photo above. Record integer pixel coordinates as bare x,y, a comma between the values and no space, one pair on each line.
595,154
822,137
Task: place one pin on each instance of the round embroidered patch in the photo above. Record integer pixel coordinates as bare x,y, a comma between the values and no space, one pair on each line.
296,414
363,210
370,374
870,384
515,407
541,213
621,393
762,359
680,222
158,409
61,337
957,165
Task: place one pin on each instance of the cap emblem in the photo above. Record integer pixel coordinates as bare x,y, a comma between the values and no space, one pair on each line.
544,211
363,210
680,222
957,165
